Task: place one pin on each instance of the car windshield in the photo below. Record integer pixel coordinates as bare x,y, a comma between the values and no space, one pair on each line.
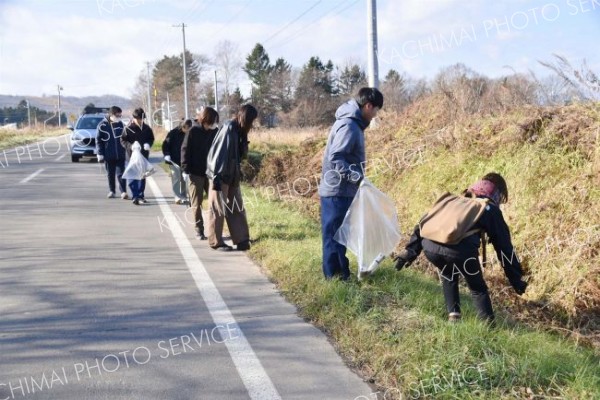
88,123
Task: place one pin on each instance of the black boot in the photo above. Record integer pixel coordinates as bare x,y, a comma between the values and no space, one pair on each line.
243,246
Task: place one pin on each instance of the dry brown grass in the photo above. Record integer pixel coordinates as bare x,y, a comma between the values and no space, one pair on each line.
285,137
12,138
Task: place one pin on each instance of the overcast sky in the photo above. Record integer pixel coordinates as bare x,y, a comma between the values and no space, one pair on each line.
95,47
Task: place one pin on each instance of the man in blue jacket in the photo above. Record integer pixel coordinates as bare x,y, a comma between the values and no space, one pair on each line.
110,151
342,173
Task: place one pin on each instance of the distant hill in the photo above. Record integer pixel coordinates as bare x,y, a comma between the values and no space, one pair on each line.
68,104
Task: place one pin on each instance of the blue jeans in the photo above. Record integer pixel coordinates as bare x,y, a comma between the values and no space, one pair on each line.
137,187
333,211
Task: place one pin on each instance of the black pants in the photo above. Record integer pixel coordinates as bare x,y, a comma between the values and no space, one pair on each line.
470,270
115,168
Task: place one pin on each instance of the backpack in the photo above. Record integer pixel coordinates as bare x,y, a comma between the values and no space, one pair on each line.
452,217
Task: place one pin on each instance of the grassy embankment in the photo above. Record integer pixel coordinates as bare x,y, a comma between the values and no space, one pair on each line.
13,138
392,328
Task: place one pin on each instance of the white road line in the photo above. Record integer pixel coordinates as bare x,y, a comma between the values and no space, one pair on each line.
257,382
30,177
61,157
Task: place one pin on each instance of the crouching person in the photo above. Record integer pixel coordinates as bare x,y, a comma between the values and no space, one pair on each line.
455,251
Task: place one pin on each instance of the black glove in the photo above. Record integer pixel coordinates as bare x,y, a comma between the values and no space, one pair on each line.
401,263
359,181
519,286
216,185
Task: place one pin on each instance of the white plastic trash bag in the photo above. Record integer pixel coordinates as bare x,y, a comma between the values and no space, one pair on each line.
138,167
370,228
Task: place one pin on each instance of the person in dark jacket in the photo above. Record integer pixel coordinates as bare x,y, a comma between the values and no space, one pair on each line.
342,173
194,153
138,131
462,258
171,149
110,151
223,169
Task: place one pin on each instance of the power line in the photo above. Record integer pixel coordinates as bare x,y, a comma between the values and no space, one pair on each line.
191,15
298,33
292,21
194,9
229,21
169,40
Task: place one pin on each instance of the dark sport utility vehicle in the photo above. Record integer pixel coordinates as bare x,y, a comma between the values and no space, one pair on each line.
83,139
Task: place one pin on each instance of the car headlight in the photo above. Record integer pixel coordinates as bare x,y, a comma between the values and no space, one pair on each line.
81,140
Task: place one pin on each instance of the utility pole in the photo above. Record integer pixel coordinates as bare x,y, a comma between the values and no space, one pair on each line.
169,112
373,64
185,92
149,110
28,114
59,89
216,93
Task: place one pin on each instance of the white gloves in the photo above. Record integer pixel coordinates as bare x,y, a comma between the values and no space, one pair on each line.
146,147
100,158
167,159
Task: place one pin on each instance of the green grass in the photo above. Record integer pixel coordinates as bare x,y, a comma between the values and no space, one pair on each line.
393,329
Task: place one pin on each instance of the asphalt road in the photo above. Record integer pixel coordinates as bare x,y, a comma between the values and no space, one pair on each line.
100,299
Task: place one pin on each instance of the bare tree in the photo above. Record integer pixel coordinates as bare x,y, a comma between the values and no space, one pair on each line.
139,92
203,65
552,90
229,64
462,88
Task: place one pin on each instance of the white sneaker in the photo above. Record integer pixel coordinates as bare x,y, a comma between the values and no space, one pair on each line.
178,201
124,196
111,195
454,317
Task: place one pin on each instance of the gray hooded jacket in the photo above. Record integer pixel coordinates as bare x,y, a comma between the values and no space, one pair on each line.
344,158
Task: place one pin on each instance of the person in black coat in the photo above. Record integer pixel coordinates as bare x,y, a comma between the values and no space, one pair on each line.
138,131
194,152
463,258
110,151
171,149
